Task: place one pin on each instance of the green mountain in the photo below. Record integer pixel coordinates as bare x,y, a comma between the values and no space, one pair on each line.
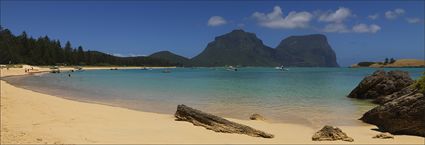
243,48
171,57
236,48
309,50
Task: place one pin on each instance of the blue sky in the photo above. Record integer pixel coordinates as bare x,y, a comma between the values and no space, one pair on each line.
356,30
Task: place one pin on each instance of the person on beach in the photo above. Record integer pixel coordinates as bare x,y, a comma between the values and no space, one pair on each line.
69,75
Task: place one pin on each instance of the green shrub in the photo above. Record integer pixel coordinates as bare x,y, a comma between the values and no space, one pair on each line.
392,60
366,63
420,84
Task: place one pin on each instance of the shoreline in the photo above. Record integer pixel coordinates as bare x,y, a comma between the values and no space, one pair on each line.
32,117
43,69
169,108
298,121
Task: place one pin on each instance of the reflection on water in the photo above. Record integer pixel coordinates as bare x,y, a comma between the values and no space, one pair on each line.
310,96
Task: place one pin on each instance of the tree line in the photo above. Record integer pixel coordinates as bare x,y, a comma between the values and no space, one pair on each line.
389,61
369,63
23,49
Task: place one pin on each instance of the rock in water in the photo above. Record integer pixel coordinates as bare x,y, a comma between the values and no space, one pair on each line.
402,115
385,135
256,116
330,133
381,83
215,123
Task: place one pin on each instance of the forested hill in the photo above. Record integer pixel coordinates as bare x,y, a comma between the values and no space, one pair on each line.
171,57
46,51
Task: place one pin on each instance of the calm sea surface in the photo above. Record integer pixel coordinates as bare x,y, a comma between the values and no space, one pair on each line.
309,96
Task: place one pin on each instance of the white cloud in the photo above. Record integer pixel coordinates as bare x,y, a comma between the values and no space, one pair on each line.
336,27
364,28
373,17
394,13
359,28
337,17
241,25
413,20
216,21
334,20
276,19
399,11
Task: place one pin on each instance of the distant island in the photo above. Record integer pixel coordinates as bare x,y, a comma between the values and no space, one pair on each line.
237,48
391,63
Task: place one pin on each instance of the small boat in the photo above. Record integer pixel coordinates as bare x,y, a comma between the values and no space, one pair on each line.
281,68
55,69
166,71
78,68
231,68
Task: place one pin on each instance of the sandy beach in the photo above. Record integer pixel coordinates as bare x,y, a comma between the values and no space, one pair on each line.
31,70
31,117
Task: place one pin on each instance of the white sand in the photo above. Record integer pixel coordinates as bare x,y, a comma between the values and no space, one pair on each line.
31,117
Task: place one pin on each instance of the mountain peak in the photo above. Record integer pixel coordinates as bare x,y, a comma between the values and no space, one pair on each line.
239,47
315,37
238,31
235,48
307,50
239,36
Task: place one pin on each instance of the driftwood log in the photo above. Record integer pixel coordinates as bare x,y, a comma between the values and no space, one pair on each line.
215,123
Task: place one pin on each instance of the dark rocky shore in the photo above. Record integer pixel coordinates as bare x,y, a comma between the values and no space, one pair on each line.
401,99
401,110
381,83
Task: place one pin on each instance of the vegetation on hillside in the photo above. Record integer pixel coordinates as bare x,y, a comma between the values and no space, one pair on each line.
22,49
420,83
365,63
240,48
171,57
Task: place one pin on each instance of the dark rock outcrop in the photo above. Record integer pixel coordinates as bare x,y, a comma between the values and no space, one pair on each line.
381,83
256,116
385,135
215,123
170,57
330,133
384,99
309,50
403,114
402,102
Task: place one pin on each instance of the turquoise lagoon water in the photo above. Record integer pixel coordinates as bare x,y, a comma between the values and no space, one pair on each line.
309,96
